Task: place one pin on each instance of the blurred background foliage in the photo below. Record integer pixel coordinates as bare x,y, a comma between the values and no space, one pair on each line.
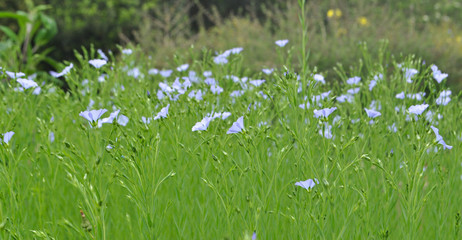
430,29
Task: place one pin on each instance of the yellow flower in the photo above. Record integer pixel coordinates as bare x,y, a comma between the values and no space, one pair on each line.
363,21
330,13
338,13
459,39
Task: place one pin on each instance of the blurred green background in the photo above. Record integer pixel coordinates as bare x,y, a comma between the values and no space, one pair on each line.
163,29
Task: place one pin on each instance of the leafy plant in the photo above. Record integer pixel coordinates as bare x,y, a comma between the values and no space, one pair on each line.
25,49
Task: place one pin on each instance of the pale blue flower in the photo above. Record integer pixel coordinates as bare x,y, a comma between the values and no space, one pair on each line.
182,68
418,109
437,74
237,126
51,136
37,91
134,72
163,113
345,98
320,97
216,89
236,93
145,120
372,113
165,87
153,71
166,73
319,78
324,112
197,94
327,133
372,84
267,71
93,115
210,81
409,74
444,98
97,63
257,83
439,138
353,80
220,59
225,115
392,128
7,136
102,55
207,74
65,71
353,91
400,95
15,75
228,52
160,94
127,51
202,125
281,43
193,77
222,115
26,83
305,105
416,96
308,184
122,120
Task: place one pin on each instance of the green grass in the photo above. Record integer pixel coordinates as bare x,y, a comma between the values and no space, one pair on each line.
163,181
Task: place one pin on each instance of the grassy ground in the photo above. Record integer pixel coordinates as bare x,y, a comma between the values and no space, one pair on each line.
386,177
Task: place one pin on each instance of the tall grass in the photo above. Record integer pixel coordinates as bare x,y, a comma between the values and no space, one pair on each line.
63,177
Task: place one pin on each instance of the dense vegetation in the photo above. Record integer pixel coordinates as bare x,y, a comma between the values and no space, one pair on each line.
259,141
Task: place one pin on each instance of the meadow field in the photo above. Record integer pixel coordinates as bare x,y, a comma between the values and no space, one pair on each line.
115,147
205,151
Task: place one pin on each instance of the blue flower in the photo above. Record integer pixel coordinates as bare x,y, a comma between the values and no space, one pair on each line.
439,138
93,115
324,112
237,126
65,71
308,184
202,125
319,78
7,136
444,98
163,113
400,95
418,109
281,43
97,63
372,113
409,74
437,74
267,71
166,73
256,83
26,83
127,51
182,68
353,80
